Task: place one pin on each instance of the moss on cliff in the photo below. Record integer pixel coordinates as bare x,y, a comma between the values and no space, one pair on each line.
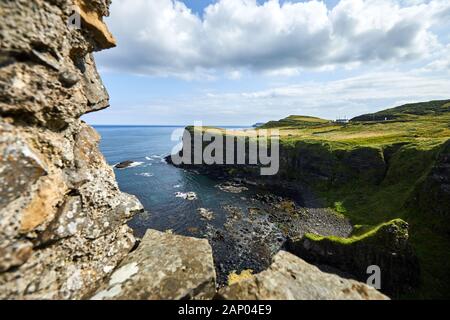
370,234
396,196
392,164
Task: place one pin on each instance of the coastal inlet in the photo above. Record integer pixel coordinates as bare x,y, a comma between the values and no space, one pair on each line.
244,225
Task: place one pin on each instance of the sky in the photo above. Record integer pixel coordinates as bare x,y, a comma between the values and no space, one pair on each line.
239,62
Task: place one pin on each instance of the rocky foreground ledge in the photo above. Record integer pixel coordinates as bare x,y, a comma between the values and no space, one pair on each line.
291,278
167,266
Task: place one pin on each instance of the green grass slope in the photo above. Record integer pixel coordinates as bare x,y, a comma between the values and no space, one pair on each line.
408,111
295,122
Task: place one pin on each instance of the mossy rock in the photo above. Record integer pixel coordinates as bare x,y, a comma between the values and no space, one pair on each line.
386,245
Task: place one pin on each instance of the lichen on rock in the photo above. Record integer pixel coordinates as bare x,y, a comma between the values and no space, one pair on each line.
164,266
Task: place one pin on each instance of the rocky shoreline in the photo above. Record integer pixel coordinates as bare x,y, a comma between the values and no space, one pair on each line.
253,234
254,231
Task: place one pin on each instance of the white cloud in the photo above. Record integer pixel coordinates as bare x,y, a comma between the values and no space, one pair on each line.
330,99
165,38
234,75
441,63
386,85
351,96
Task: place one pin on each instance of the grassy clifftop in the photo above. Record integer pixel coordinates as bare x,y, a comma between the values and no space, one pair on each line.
425,124
296,122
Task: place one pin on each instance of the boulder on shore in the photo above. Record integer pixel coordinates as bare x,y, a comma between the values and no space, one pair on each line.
124,164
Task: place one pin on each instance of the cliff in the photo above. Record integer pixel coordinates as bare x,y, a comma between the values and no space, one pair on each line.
63,218
376,168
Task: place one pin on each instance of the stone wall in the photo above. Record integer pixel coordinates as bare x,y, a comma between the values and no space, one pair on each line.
62,217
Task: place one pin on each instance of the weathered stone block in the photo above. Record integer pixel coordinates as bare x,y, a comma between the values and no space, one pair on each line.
165,266
62,216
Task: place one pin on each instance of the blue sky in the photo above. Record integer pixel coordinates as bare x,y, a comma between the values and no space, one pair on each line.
237,62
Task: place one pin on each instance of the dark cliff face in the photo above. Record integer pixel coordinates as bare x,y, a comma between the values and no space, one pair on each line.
62,216
317,163
314,164
433,191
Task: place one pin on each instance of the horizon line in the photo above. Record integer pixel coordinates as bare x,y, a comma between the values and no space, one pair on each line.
163,125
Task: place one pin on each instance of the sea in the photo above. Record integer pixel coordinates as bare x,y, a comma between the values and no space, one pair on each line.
184,202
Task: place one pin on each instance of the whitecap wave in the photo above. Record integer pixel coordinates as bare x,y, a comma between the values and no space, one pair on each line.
146,174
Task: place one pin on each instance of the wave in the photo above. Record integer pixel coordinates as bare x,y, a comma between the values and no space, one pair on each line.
132,164
146,174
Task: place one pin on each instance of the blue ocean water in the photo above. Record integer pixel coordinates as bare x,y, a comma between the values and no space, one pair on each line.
240,239
156,183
